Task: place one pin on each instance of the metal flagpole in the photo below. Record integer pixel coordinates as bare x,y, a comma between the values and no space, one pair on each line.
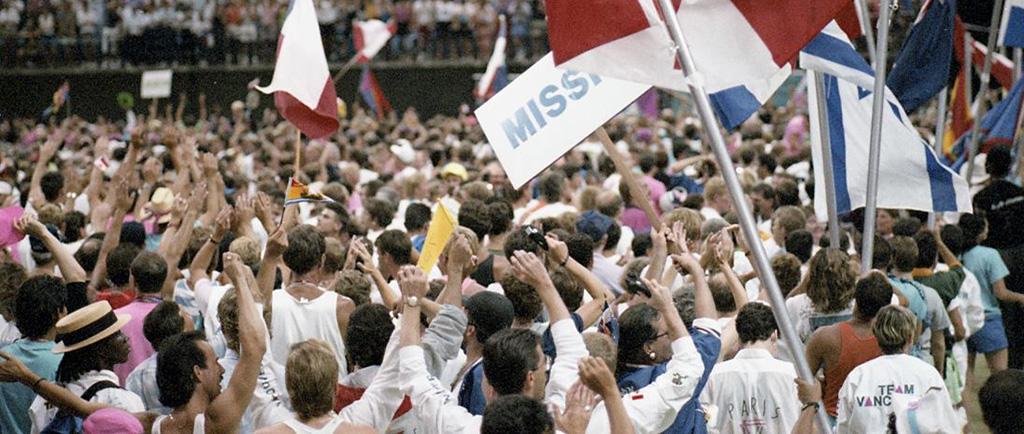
746,219
1018,53
864,13
940,133
826,159
874,154
986,72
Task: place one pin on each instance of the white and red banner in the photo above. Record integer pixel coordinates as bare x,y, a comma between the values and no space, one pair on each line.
303,91
370,36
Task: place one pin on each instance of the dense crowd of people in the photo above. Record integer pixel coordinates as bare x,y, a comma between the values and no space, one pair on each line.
111,33
154,280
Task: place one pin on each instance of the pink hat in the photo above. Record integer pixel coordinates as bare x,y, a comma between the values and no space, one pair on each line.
111,421
8,235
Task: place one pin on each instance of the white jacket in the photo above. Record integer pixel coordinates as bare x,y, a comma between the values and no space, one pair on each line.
865,400
653,408
753,391
438,410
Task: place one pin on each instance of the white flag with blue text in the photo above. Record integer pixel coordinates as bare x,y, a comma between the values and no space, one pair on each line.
910,174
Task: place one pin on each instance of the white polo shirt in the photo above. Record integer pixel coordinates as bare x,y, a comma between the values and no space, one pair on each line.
752,392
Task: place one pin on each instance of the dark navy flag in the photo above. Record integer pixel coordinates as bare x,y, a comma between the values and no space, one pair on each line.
922,67
999,123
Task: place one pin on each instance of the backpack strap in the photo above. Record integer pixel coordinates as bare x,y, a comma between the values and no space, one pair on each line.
97,387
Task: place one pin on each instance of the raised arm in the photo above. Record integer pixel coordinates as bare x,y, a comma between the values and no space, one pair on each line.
722,255
121,202
277,243
659,254
594,373
46,153
366,266
225,412
182,236
559,251
201,263
704,304
459,256
69,267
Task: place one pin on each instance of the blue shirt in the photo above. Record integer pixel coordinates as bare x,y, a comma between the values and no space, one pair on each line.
989,268
16,398
471,395
691,417
914,296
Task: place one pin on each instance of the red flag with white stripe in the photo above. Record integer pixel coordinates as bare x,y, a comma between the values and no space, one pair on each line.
303,91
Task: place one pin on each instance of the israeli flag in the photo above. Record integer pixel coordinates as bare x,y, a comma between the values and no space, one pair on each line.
911,175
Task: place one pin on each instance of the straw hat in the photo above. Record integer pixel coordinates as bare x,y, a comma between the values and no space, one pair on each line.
88,325
160,204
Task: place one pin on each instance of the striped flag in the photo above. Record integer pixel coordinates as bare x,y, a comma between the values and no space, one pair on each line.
496,75
1002,67
370,36
910,176
960,119
373,95
741,48
1011,29
61,96
299,192
302,87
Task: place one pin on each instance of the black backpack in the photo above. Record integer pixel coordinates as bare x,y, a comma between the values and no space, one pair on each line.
67,423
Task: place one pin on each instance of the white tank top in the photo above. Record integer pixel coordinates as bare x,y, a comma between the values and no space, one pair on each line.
300,320
198,426
301,428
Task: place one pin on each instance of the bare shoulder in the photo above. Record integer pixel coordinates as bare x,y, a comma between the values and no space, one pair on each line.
276,429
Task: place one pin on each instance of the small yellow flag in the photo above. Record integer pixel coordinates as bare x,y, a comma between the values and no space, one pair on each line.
442,225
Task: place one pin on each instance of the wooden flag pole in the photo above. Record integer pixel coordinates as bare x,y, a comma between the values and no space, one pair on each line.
638,196
344,68
746,218
298,151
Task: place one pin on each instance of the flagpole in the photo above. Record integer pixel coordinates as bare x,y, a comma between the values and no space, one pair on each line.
344,68
746,219
874,154
826,159
940,133
298,151
986,72
869,35
639,199
1018,53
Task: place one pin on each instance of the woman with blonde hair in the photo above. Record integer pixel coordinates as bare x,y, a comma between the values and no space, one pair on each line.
871,391
311,374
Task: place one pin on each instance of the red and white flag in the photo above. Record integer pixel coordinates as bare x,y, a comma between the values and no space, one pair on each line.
370,36
303,91
734,43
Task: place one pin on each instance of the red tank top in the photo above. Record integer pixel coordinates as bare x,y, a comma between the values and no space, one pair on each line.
853,351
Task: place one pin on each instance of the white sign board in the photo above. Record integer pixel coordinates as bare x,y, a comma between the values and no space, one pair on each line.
156,84
547,111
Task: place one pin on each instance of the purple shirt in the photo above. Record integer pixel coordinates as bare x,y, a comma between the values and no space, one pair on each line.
140,347
636,220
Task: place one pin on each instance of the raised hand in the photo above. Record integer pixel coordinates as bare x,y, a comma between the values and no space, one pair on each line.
223,223
277,243
460,254
579,405
529,269
151,171
244,208
596,375
123,195
413,282
235,269
29,225
558,251
661,298
198,199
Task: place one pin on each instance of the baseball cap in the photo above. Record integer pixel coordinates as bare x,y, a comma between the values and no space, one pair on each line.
593,224
490,313
454,169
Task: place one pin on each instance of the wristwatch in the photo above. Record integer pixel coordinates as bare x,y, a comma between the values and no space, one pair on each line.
412,301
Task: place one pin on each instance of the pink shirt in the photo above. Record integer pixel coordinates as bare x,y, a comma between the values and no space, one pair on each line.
140,347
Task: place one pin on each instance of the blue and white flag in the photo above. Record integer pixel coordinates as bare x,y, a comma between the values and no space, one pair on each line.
1011,30
922,68
999,124
911,175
